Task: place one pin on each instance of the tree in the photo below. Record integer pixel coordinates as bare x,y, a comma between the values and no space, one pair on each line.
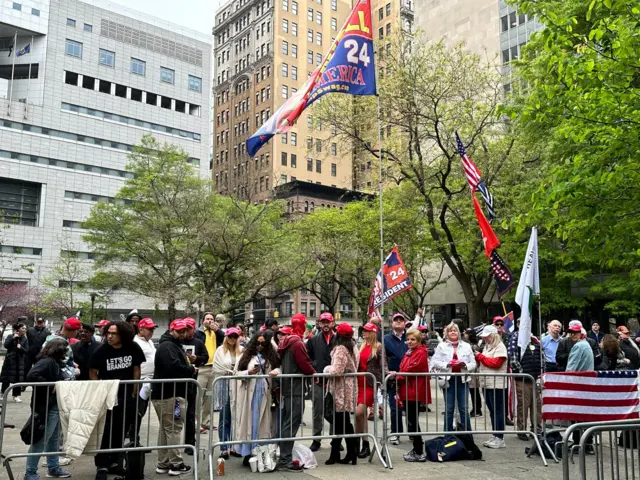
16,300
427,93
579,112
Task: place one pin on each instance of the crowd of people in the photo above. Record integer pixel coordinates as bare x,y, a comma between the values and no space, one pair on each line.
259,405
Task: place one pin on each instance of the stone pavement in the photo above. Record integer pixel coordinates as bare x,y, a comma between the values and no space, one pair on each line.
509,463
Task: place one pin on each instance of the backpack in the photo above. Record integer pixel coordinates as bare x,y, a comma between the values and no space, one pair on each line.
628,439
446,449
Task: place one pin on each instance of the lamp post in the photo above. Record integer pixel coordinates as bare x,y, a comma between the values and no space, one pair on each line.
93,301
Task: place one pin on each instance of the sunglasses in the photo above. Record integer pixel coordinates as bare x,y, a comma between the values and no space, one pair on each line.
499,324
261,344
235,337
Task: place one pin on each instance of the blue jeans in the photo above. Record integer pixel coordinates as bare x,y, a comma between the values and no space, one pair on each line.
494,398
224,425
457,392
396,413
48,443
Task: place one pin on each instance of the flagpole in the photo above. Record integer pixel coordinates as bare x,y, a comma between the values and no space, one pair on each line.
26,103
13,66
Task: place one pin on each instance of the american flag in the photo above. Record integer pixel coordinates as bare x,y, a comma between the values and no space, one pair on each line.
474,178
591,396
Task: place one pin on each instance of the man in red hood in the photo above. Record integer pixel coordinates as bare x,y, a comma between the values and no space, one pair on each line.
294,360
299,324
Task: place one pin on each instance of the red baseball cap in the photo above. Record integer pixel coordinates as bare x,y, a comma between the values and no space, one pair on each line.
72,323
498,318
575,326
326,316
232,331
398,315
147,323
178,324
370,327
191,322
102,323
423,328
622,329
345,330
286,330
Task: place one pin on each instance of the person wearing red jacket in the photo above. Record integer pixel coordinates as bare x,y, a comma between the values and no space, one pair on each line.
414,390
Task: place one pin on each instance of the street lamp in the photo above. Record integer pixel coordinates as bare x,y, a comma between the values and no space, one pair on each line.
93,301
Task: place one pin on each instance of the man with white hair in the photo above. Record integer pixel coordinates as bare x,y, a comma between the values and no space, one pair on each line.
550,344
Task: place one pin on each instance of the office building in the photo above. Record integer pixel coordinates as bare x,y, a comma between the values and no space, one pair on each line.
82,84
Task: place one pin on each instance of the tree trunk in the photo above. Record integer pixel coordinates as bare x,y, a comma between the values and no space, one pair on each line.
477,311
171,310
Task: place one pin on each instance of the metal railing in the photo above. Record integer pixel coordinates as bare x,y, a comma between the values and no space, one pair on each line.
456,399
122,422
287,418
600,439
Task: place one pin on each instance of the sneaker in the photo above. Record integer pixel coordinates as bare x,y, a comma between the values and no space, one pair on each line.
204,430
64,461
31,477
412,456
116,469
523,436
489,441
294,466
17,399
395,440
58,473
162,470
181,469
496,443
315,446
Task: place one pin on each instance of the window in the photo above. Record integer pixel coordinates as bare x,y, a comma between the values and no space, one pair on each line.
310,36
319,18
309,165
294,50
310,57
334,169
285,5
318,166
283,179
310,14
294,72
303,308
167,75
388,29
283,159
318,59
334,5
288,309
522,18
318,145
107,58
319,38
294,8
514,52
35,12
309,143
285,25
285,70
334,149
17,6
294,142
504,23
285,91
70,21
138,67
381,33
388,9
312,309
294,161
294,29
512,20
334,24
195,83
285,47
73,48
19,202
380,14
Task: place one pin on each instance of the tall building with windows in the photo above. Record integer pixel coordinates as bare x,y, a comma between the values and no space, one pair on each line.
263,52
80,84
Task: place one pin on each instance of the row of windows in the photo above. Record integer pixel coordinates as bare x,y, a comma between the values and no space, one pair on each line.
512,20
21,250
294,6
381,31
19,202
130,93
19,7
90,197
284,161
308,207
513,53
137,66
72,224
130,121
381,11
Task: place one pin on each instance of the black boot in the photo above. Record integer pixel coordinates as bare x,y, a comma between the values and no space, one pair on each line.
352,451
334,457
366,450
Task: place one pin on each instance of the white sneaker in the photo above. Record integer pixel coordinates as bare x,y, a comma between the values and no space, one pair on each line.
65,460
493,437
395,440
497,443
17,399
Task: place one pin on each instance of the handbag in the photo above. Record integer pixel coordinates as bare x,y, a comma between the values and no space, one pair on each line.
33,430
328,407
446,449
266,455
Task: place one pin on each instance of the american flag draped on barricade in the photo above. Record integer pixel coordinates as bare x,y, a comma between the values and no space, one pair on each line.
591,396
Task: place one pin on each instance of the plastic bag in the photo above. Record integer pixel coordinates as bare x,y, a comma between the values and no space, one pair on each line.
304,455
266,455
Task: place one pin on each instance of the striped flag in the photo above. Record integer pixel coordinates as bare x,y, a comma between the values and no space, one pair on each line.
474,178
591,396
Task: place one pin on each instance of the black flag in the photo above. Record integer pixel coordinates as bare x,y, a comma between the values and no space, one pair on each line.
501,274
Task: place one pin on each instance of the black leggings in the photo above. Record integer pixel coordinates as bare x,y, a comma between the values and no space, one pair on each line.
16,390
341,426
413,415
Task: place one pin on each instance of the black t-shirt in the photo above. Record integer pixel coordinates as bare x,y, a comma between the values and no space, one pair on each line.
117,363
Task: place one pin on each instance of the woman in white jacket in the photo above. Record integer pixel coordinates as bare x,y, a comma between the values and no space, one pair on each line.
454,356
224,364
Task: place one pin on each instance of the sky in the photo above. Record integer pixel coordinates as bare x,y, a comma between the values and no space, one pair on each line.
195,14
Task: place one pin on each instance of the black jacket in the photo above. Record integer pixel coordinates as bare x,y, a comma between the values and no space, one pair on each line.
319,352
201,336
45,370
565,346
170,362
82,356
202,356
631,353
15,365
36,339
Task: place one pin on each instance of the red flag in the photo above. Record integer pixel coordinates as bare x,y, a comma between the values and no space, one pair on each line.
488,236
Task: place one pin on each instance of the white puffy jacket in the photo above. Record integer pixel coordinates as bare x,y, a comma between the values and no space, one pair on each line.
444,354
83,407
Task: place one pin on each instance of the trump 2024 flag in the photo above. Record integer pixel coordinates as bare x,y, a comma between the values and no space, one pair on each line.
348,68
392,280
528,286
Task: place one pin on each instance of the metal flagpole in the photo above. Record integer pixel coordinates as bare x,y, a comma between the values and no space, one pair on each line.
26,103
13,66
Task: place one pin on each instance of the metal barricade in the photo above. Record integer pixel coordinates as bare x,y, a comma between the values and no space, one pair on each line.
600,440
234,397
451,395
124,423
